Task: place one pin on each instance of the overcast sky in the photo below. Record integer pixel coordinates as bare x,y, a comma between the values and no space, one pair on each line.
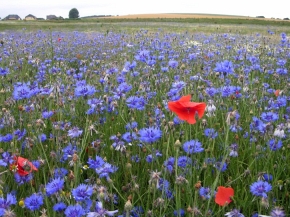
41,8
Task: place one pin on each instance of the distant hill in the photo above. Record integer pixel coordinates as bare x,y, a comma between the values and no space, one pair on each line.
179,15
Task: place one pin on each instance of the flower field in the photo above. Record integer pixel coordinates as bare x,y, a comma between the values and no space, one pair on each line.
144,123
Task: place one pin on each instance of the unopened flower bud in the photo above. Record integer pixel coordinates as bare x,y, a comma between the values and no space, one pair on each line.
128,206
177,143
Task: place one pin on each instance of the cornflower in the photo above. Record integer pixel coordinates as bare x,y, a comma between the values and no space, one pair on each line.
82,192
260,188
100,211
33,202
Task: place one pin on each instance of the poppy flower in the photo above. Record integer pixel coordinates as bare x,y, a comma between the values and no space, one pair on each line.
59,39
223,195
277,93
22,166
187,110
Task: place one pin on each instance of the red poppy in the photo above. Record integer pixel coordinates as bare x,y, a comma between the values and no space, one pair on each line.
223,195
277,93
59,39
22,166
187,110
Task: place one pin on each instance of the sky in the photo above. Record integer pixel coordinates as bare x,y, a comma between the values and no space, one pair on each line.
42,8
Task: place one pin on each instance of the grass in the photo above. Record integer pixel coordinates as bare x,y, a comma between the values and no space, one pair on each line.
103,24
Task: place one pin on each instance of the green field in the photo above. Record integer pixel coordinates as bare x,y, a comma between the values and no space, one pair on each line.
242,26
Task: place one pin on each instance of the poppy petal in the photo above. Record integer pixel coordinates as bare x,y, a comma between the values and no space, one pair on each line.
188,116
21,162
175,107
200,108
277,92
223,195
187,110
185,98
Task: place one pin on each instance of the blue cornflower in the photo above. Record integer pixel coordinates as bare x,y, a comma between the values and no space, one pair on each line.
129,137
273,145
84,90
211,91
226,67
135,74
47,114
33,202
112,71
42,137
277,212
192,146
164,69
227,91
258,125
21,91
60,173
105,170
234,213
142,55
163,184
173,64
124,87
179,212
58,207
7,138
183,161
281,71
151,157
7,158
100,211
68,151
20,180
74,132
150,134
3,71
234,150
221,167
178,85
131,126
137,211
169,164
260,188
135,158
54,186
46,90
267,177
94,164
74,211
135,102
82,192
118,144
205,193
95,102
5,203
19,134
269,116
210,133
281,101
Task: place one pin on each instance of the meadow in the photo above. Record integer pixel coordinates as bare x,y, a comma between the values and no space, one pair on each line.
144,118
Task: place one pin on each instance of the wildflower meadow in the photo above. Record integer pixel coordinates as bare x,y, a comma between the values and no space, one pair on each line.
144,123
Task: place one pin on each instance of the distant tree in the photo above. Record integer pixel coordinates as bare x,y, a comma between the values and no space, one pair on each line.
73,13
